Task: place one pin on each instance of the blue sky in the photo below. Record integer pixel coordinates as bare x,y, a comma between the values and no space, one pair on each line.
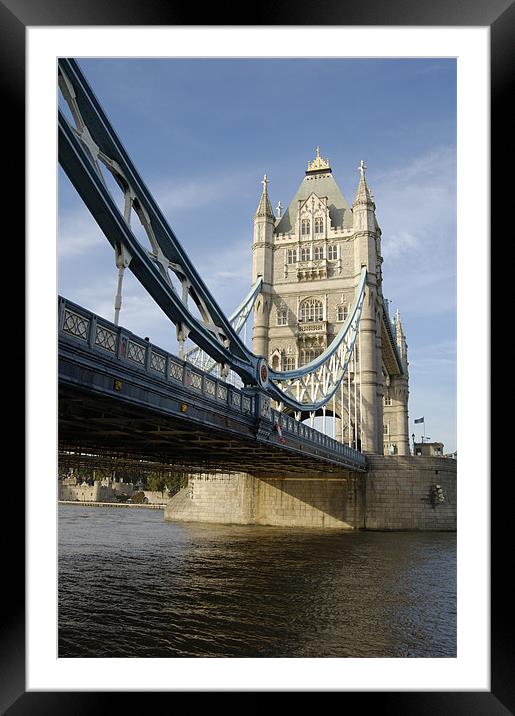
202,134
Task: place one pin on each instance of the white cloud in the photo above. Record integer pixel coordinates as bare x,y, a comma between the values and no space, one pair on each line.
438,359
416,209
187,194
78,233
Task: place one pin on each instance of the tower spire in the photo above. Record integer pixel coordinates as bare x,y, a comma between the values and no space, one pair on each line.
363,211
363,195
264,206
401,339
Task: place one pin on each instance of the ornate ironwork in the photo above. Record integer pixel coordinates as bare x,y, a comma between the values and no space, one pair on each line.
176,371
105,338
157,362
76,324
136,353
196,381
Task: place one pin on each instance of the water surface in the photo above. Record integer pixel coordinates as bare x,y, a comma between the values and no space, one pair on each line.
132,585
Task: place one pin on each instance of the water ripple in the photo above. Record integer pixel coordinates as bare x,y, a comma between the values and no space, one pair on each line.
132,585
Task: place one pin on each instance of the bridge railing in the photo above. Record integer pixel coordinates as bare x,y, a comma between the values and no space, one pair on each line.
105,338
289,426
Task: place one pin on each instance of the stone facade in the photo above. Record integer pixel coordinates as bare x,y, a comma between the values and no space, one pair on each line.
397,493
400,493
310,260
300,501
87,493
428,449
106,491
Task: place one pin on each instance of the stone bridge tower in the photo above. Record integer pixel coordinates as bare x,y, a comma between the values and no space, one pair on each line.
310,259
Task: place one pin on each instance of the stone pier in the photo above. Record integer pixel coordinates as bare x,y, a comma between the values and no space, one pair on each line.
395,494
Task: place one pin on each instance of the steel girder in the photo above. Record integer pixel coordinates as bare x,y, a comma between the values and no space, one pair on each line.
92,142
237,319
81,149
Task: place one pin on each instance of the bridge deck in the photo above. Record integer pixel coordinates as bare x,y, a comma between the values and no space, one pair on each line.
122,396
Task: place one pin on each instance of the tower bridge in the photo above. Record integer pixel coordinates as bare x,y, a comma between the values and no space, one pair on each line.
119,394
323,344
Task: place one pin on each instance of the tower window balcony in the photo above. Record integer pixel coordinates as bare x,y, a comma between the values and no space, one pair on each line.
312,328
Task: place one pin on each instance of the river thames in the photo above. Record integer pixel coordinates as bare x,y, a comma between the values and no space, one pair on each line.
132,585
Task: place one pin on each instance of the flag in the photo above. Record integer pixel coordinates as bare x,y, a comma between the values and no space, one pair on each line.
419,420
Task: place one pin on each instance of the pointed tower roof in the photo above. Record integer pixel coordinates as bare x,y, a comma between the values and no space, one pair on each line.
318,179
264,207
401,338
399,328
363,195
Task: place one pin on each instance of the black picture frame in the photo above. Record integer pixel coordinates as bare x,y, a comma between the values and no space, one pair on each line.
15,17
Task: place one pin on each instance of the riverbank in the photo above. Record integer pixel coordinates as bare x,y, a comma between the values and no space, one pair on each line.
110,504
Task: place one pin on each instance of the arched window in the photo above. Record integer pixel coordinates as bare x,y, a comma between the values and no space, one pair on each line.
309,354
341,313
311,310
305,357
292,256
319,225
332,253
305,254
305,227
282,317
289,363
318,253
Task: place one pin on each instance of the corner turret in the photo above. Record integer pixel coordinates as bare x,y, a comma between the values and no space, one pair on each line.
262,265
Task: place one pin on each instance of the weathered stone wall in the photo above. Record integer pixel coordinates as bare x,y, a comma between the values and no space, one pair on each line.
86,493
223,498
309,502
398,493
395,494
282,501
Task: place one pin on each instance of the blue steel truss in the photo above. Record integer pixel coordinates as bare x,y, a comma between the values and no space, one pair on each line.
92,142
237,319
